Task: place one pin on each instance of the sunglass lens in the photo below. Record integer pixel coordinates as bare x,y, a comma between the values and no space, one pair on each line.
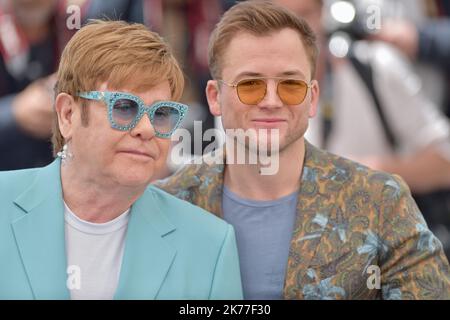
124,111
292,92
251,91
165,119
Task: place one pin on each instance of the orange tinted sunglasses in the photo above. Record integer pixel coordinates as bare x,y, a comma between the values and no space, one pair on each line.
253,90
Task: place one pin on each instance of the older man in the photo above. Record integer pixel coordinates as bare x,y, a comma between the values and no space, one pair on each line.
87,226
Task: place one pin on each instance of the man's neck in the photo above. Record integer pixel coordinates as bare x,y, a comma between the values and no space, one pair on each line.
95,202
247,181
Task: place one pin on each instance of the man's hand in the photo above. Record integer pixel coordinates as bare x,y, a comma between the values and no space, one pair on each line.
33,108
401,34
424,171
373,162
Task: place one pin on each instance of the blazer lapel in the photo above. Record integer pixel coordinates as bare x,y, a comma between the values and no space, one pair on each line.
148,256
39,234
317,210
208,182
316,205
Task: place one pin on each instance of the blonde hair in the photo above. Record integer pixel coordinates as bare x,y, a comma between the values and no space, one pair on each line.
259,18
118,53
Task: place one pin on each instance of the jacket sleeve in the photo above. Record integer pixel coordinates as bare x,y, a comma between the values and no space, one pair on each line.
413,264
226,284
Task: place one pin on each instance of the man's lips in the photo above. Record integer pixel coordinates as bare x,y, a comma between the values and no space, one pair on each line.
268,122
140,153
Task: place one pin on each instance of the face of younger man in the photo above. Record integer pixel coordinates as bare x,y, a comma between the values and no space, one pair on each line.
280,54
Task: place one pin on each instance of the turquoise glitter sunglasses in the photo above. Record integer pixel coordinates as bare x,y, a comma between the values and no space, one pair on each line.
125,110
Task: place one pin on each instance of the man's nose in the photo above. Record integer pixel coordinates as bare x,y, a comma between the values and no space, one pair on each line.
271,99
144,128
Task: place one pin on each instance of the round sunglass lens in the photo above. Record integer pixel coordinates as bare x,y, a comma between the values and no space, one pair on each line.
292,92
125,111
251,91
165,119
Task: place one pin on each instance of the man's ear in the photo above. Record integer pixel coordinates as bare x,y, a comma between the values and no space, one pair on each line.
213,97
315,93
65,107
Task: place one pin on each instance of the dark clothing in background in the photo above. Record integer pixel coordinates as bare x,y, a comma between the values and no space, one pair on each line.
434,43
18,150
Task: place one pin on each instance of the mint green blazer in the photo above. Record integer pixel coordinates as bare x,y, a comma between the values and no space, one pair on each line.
173,250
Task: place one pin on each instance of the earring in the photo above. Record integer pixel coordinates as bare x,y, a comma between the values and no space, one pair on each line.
65,154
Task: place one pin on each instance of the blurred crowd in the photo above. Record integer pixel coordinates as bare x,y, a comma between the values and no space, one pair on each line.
384,74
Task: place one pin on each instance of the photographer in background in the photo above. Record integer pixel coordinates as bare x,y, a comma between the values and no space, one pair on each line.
32,35
373,110
428,43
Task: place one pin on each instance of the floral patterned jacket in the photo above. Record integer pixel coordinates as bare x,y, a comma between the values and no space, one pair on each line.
358,232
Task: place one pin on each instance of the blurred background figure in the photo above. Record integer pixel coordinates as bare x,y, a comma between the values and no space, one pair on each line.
32,35
427,42
374,107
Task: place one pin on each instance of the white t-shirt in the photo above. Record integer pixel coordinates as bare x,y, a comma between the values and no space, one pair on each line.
94,255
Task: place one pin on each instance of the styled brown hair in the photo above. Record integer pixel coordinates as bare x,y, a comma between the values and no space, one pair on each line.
260,18
119,53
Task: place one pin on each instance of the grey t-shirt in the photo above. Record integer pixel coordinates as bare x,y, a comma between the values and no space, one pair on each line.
263,232
94,255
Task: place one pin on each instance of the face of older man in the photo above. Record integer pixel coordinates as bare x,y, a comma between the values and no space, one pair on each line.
128,158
